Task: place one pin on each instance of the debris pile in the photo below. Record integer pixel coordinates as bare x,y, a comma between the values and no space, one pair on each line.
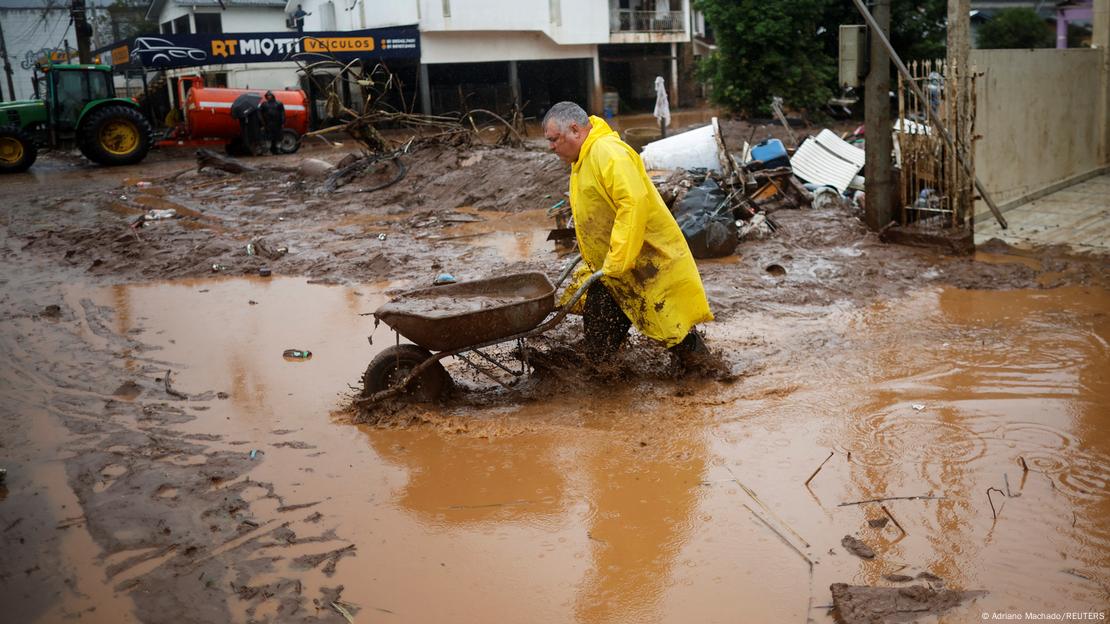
721,198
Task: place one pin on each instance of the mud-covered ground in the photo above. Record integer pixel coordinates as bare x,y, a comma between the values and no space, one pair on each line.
235,488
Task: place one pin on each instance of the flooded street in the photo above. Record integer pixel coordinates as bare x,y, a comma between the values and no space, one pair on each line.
584,506
237,486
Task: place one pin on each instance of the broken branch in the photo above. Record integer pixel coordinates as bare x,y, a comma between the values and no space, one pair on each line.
170,391
989,490
818,469
892,519
890,498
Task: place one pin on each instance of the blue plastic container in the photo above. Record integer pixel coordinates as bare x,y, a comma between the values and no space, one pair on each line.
772,153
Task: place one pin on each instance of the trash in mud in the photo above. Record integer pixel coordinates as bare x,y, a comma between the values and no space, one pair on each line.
296,355
52,311
769,154
929,577
878,523
918,407
705,218
262,249
860,604
216,268
3,475
255,453
381,236
316,168
759,227
444,278
264,272
159,214
826,197
857,547
827,160
776,270
698,148
128,390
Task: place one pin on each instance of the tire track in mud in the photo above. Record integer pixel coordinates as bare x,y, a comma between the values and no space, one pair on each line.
177,517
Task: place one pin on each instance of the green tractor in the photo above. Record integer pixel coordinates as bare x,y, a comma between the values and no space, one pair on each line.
80,109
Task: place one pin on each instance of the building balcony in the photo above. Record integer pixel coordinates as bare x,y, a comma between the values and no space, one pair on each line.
632,21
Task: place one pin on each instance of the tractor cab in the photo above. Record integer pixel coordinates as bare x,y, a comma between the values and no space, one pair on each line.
70,88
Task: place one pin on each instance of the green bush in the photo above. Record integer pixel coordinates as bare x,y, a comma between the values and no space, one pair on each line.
1015,28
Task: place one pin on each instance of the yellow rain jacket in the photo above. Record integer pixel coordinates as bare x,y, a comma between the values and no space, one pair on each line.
625,230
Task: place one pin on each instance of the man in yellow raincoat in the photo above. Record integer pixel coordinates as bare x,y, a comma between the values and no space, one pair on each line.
625,230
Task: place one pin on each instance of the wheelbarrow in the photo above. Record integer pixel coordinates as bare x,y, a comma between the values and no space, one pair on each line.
459,320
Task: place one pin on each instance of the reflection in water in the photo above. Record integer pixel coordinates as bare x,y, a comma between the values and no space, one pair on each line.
644,503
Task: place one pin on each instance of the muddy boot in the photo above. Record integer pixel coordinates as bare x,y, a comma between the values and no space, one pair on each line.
694,356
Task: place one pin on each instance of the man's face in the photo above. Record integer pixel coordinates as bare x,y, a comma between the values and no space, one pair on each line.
565,143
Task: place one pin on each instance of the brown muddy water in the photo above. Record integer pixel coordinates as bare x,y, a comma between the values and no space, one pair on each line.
651,502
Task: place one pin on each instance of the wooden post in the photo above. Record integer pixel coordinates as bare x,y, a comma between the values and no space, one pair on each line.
958,46
877,164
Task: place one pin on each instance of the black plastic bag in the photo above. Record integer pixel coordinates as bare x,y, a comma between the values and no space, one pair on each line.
706,220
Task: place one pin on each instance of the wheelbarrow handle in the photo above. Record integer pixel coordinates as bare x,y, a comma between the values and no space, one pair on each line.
578,294
568,270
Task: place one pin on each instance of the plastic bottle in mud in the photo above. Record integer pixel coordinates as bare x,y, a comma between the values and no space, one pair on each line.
297,354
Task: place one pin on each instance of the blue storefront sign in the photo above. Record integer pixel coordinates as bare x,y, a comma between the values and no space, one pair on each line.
165,51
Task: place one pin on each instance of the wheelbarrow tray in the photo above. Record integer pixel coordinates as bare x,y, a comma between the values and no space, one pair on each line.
455,316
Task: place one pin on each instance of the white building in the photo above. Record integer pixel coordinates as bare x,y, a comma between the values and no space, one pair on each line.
536,51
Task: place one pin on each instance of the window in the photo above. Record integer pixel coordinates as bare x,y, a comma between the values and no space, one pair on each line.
70,89
100,85
167,28
208,23
215,79
181,25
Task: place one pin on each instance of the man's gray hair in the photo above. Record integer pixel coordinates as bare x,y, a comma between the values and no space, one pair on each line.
563,114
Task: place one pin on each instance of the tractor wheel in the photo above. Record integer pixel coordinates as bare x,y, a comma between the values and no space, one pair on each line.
290,141
17,150
394,364
115,135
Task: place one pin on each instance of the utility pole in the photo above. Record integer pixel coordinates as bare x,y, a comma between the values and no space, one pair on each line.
7,65
878,165
82,29
958,83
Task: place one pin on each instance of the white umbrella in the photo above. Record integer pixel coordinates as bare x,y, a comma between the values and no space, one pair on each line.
662,105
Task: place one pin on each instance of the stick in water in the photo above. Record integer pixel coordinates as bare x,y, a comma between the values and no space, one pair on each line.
818,469
989,490
891,516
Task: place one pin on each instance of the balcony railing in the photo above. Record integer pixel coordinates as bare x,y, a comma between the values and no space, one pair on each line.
630,21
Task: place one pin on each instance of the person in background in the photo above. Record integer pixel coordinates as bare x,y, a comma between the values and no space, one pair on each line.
298,18
272,113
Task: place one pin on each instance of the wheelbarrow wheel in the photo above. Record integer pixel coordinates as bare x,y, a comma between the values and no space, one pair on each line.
393,365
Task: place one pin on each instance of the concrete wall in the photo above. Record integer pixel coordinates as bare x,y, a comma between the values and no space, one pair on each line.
1039,115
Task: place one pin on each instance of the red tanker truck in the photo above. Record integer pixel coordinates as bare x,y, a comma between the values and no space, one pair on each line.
208,116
